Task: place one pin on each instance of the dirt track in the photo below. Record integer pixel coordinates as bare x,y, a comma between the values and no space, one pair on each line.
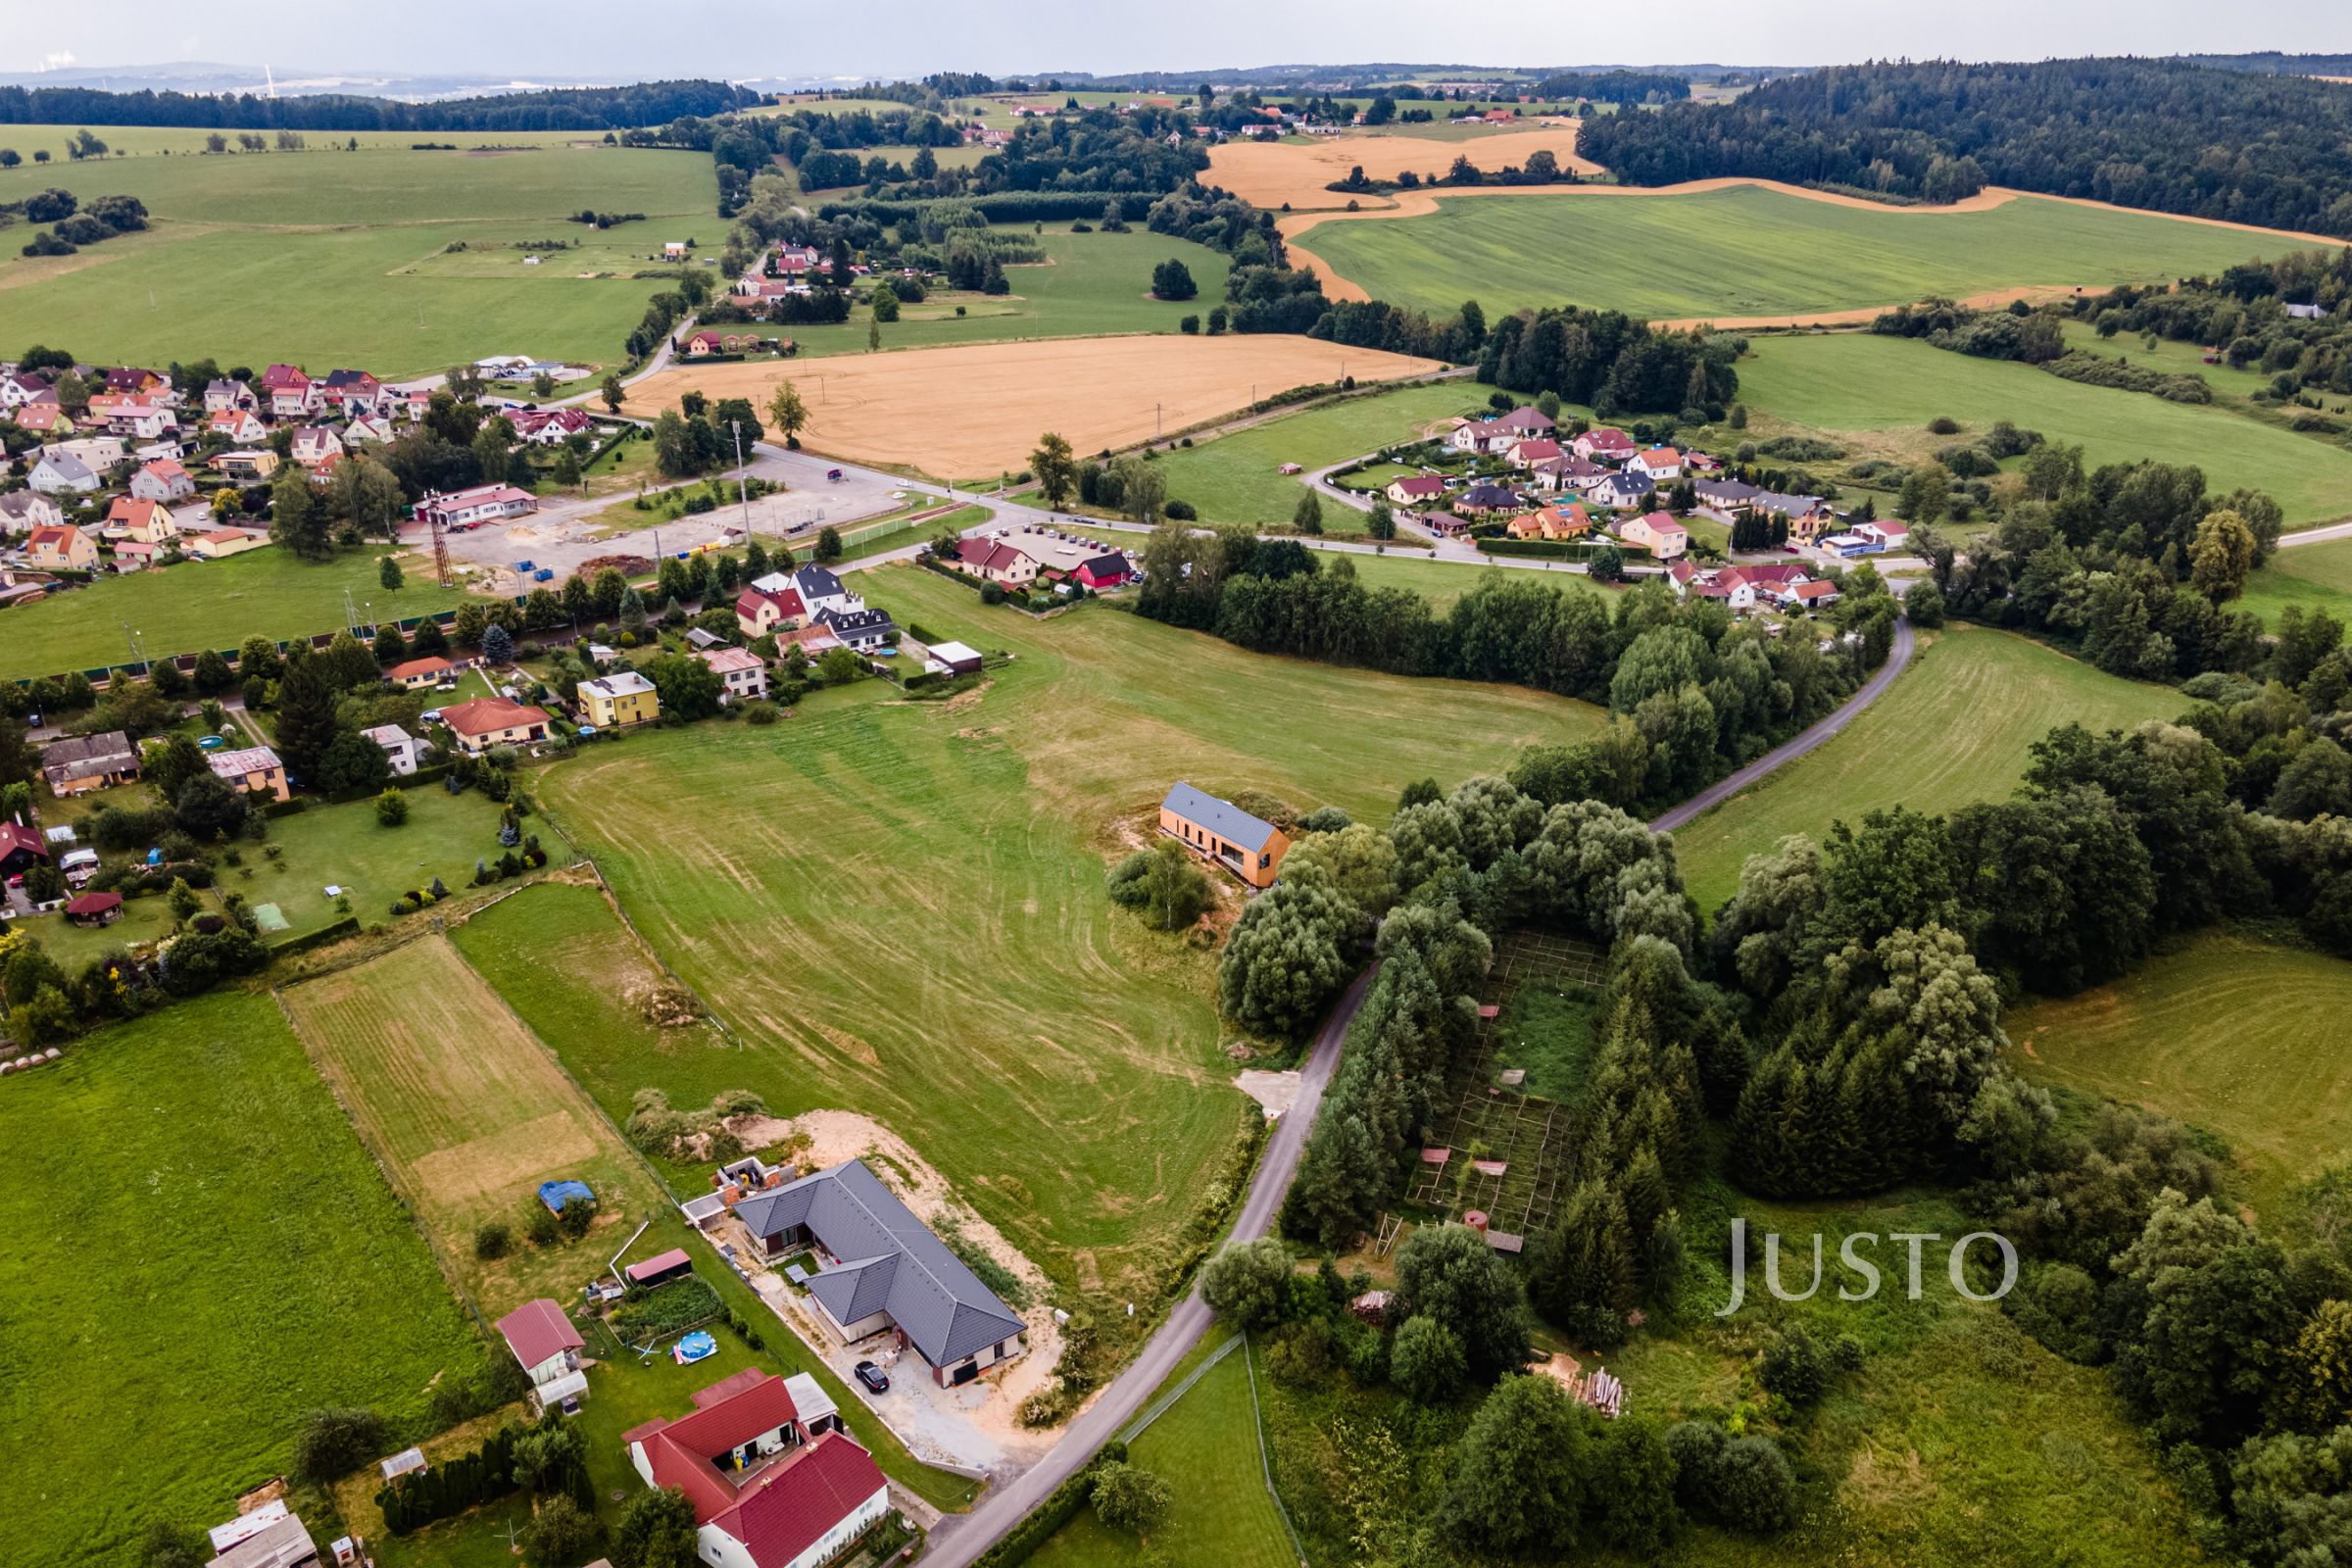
1269,174
1422,203
977,409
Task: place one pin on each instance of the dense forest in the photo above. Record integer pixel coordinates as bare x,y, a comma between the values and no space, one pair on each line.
645,103
2253,148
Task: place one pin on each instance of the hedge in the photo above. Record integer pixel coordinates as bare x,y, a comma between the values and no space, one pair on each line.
1020,1544
332,931
1007,206
1556,549
286,807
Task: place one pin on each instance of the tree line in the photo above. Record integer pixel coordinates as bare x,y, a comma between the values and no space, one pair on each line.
2162,134
646,103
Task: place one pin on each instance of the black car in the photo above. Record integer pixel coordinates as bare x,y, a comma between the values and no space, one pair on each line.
873,1377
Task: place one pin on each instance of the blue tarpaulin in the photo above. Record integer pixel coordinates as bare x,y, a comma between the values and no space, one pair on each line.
555,1194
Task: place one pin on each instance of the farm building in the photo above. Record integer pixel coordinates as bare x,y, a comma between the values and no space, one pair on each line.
773,1484
79,763
1248,847
257,768
618,699
547,1346
885,1270
488,721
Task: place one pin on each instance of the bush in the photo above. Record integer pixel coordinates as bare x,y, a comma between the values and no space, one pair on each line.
493,1241
541,1227
1944,425
391,807
331,1443
575,1216
1129,1497
1061,1507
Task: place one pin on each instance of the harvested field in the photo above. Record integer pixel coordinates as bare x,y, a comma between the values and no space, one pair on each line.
1271,173
1100,392
469,1112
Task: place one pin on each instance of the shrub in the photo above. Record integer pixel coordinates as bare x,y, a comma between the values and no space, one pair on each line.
493,1239
391,807
1944,425
331,1443
575,1216
1129,1497
541,1227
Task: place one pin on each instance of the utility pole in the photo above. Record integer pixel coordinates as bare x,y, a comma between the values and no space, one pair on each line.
743,490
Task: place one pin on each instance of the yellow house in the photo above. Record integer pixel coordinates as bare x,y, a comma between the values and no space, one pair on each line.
618,699
64,547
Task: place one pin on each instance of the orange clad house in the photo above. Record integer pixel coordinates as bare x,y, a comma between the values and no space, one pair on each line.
1248,847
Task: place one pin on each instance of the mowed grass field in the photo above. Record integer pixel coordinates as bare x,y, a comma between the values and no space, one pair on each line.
2229,1033
209,604
899,906
2317,577
470,1113
1882,391
1235,479
1206,1449
1748,252
200,1251
1953,731
329,258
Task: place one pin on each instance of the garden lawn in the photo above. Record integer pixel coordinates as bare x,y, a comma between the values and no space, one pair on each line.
206,603
1092,285
2317,577
344,845
1868,387
1233,477
201,1251
899,907
1748,252
364,230
1206,1449
2229,1033
1953,731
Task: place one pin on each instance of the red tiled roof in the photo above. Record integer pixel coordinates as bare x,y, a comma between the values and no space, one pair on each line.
486,715
94,904
16,836
417,666
166,469
679,1452
538,1330
802,1500
788,603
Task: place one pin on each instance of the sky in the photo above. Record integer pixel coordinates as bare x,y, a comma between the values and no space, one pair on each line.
615,40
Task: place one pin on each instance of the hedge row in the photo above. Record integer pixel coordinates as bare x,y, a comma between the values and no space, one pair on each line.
1006,207
1556,549
1020,1544
332,931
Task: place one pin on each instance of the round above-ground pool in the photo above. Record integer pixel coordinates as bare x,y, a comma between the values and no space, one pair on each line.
694,1347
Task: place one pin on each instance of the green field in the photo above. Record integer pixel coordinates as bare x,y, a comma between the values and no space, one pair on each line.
1206,1449
1233,477
1882,391
2315,577
1953,731
1093,285
346,847
142,141
244,249
884,897
2229,1033
201,1251
207,604
1745,252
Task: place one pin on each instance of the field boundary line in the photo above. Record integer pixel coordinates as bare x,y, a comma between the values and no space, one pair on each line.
1265,1462
1166,1402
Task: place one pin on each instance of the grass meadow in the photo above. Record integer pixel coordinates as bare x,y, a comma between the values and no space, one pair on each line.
201,1252
2317,577
1747,252
208,603
1881,392
1952,732
899,905
2232,1032
1233,477
338,258
1206,1448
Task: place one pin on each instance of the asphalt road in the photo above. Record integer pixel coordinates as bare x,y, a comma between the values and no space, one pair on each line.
960,1537
2316,536
1789,751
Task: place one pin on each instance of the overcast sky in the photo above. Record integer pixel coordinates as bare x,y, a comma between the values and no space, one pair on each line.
628,39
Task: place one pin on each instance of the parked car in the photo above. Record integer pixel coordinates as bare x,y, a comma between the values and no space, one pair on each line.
873,1377
833,475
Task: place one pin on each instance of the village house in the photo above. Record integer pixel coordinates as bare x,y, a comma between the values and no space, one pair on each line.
1413,489
21,389
1622,492
1221,832
1568,521
58,472
1525,455
239,426
993,561
1483,437
64,548
130,555
368,430
1568,471
141,422
774,1480
1808,515
145,521
819,590
222,543
1742,588
742,674
547,1348
352,391
223,396
400,748
1603,443
487,721
256,769
1656,532
470,508
1663,464
1487,500
21,847
761,613
415,674
860,630
80,764
42,418
814,642
618,699
22,510
1057,557
1727,498
291,394
885,1271
1526,422
98,452
1883,535
135,381
314,444
550,427
251,467
163,481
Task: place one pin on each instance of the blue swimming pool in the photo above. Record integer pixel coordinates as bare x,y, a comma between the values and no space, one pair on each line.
694,1347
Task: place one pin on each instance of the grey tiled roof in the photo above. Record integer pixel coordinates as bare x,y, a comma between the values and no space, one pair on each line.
1225,819
890,1262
